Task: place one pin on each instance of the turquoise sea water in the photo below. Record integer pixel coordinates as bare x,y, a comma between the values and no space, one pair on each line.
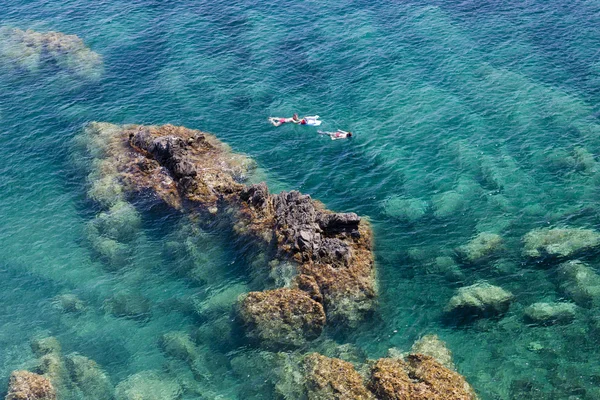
492,105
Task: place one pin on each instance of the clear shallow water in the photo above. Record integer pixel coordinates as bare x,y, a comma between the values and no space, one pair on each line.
486,100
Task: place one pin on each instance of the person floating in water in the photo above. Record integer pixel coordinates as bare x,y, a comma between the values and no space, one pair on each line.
339,134
313,121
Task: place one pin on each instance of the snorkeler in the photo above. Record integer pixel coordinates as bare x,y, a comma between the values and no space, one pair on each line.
311,121
339,134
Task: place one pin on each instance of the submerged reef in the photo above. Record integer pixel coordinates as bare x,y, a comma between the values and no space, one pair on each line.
324,258
31,51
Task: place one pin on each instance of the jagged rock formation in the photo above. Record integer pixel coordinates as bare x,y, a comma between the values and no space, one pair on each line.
30,51
190,170
26,385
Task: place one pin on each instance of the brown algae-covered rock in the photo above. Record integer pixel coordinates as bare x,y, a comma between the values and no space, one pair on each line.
24,385
482,247
331,378
559,242
477,301
281,317
30,51
419,377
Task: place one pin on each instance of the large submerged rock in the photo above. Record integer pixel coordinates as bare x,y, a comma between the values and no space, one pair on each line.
419,377
332,378
24,385
559,242
579,282
329,253
281,317
480,300
31,51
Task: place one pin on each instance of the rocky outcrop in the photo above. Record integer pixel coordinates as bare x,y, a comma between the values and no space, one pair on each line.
559,242
480,300
24,385
419,377
329,253
333,379
281,317
31,51
550,313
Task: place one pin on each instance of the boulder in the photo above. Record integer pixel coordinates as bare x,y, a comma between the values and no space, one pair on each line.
431,345
405,209
448,204
419,377
281,317
480,300
579,283
550,313
68,303
24,385
130,305
148,385
333,379
483,247
559,242
92,382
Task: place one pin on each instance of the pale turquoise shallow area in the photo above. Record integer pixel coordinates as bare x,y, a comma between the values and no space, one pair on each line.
495,104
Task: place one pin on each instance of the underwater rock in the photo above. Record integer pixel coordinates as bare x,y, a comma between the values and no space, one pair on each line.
68,303
219,302
431,345
148,385
24,385
579,282
128,305
331,378
482,247
31,51
405,209
448,204
480,300
550,313
43,346
92,382
179,345
192,171
417,377
559,242
281,317
119,223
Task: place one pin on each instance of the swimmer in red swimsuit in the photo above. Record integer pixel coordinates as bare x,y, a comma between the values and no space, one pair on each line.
280,121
